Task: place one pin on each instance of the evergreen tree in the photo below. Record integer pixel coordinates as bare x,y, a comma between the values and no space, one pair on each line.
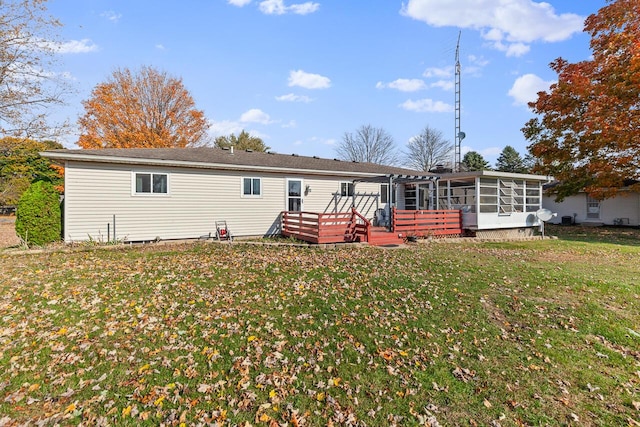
38,219
510,161
473,161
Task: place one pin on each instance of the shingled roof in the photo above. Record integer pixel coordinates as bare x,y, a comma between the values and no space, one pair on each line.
216,158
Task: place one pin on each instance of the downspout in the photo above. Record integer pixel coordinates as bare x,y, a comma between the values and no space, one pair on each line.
391,204
437,194
65,223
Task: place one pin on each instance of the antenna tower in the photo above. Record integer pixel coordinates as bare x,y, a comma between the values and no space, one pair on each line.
459,135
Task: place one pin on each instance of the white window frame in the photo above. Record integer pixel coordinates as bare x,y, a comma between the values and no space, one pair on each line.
593,208
134,180
346,185
384,193
252,195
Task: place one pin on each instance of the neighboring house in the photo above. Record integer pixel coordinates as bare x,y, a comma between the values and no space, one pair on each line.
148,194
623,209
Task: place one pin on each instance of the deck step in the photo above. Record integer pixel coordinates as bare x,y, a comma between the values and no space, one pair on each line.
379,238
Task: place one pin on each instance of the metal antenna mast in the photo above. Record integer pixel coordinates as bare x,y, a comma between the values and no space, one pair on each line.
459,135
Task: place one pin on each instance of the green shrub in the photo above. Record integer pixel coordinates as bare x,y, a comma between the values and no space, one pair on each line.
38,216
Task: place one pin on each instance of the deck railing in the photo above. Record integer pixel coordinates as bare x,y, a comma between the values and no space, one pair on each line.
345,227
325,227
425,223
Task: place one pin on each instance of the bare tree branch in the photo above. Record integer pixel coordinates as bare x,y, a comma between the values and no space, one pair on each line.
427,150
368,144
28,86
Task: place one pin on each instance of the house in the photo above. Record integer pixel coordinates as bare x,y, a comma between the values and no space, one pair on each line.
623,209
149,194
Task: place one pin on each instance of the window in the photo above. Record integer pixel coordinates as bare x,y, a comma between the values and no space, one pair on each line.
346,189
533,193
151,183
384,194
251,187
593,208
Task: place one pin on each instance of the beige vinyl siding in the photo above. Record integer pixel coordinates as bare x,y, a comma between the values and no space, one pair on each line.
320,197
196,198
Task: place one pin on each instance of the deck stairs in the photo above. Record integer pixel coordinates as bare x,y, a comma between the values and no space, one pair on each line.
380,236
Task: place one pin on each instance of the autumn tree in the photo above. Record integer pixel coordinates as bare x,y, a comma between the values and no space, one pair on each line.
21,164
587,132
473,161
368,144
510,161
243,141
427,150
147,109
28,85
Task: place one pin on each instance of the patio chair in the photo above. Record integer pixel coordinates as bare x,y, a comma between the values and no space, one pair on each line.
380,219
222,231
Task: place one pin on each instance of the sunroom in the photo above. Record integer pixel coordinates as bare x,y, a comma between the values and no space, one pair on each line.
491,200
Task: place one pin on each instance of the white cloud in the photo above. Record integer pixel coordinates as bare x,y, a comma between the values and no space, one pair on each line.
160,46
510,25
474,66
292,97
491,151
255,116
239,3
404,85
111,16
72,46
426,106
526,87
277,7
291,124
304,8
438,72
478,60
308,80
224,127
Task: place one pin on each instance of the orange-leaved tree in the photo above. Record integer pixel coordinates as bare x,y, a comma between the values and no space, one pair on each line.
588,131
148,109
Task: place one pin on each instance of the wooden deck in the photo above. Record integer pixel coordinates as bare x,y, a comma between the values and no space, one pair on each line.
346,227
341,227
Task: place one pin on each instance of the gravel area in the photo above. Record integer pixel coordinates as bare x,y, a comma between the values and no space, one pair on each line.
7,232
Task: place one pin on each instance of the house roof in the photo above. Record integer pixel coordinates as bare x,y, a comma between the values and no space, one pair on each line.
216,158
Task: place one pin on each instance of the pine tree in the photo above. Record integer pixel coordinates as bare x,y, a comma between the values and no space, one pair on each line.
510,161
473,161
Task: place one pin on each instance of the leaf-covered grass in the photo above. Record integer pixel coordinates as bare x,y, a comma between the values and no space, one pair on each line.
515,333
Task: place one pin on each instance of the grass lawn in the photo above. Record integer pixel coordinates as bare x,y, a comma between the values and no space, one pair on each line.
510,333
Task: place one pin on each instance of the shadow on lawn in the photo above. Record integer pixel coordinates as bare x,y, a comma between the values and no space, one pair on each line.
629,236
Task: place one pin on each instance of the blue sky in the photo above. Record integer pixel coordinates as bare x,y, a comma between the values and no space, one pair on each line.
300,74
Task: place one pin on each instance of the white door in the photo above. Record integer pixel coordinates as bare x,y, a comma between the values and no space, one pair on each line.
294,195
